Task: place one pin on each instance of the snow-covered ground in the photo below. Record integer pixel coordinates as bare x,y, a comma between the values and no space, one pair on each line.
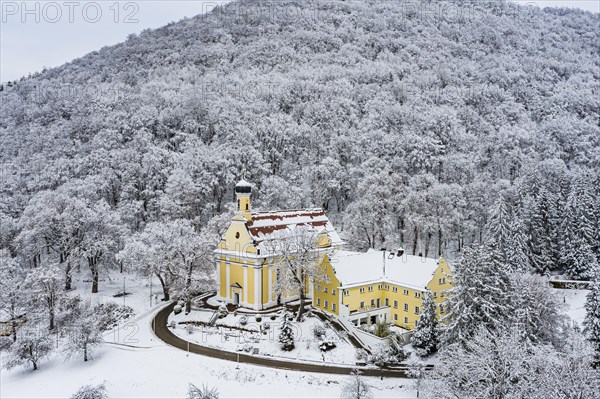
159,371
149,368
255,335
575,303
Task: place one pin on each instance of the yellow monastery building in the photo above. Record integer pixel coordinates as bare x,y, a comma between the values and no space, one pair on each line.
359,287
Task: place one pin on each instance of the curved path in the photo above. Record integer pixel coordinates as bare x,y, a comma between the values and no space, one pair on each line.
164,333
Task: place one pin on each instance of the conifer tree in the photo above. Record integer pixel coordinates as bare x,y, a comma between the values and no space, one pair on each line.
543,232
425,338
518,254
286,333
577,258
498,227
592,319
480,294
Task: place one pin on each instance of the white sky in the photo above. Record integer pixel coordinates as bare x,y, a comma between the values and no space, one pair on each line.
67,29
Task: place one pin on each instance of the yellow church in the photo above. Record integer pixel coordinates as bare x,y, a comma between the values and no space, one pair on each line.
355,286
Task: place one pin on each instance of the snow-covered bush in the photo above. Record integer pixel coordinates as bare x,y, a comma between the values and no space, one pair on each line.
327,346
388,354
91,392
202,393
381,329
177,309
273,317
318,330
258,318
243,320
396,352
223,312
111,314
360,354
189,327
266,325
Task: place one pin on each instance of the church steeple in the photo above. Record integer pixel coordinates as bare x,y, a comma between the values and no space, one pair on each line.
243,190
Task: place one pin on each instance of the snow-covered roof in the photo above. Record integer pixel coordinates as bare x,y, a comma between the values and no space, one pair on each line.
271,225
243,183
358,268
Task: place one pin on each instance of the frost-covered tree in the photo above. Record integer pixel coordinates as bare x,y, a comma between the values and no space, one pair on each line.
296,255
45,287
577,256
52,221
543,230
286,332
425,338
356,387
480,294
591,322
174,253
518,256
102,232
505,365
91,392
84,334
535,308
499,227
32,347
204,392
13,296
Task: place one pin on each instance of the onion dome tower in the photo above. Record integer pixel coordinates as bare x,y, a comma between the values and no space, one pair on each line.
243,190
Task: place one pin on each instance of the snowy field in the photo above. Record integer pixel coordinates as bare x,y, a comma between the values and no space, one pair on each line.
255,335
575,303
136,364
148,368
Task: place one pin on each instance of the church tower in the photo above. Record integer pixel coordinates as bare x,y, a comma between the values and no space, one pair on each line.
243,190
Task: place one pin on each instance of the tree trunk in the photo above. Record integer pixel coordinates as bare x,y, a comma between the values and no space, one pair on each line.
95,281
302,303
68,278
188,289
30,350
85,353
14,329
415,239
93,264
439,243
165,288
51,323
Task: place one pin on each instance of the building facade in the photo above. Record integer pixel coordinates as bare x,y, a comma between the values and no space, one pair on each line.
247,262
361,287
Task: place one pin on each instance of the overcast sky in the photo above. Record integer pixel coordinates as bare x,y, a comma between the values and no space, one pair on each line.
35,34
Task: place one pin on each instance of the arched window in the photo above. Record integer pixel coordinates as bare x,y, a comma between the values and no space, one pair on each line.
237,234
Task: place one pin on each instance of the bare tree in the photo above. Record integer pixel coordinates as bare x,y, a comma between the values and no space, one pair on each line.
298,258
356,387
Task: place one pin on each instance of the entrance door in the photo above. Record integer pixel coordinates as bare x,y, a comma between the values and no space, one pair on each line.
236,299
